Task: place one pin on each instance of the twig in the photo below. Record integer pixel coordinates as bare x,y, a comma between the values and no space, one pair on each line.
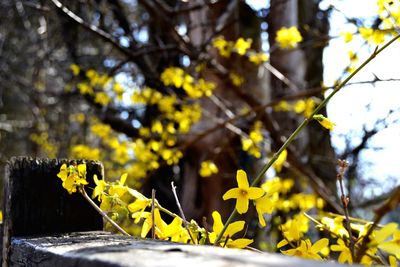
343,164
102,213
103,34
205,227
388,206
181,211
303,125
153,225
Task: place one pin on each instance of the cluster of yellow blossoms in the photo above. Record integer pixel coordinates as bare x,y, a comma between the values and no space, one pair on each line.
134,212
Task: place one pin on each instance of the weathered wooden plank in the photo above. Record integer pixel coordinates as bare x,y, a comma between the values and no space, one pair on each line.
102,249
36,204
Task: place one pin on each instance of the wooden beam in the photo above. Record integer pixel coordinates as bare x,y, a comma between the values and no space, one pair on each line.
35,203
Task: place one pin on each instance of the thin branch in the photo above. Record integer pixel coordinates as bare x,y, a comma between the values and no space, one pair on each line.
104,35
153,225
343,164
173,187
388,206
303,125
102,213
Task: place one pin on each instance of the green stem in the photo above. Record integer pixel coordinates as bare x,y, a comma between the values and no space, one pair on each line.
305,122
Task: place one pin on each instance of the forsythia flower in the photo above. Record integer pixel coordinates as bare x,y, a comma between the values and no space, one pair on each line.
75,69
308,250
72,177
173,76
347,36
258,58
264,205
243,193
278,164
288,38
242,46
236,79
231,230
208,168
98,191
345,254
325,122
224,47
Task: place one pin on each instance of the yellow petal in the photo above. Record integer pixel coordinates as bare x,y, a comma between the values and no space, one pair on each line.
217,225
319,245
282,243
255,192
239,243
391,247
122,180
82,170
232,193
242,204
241,178
233,228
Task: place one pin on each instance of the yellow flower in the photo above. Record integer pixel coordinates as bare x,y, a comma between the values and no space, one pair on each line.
335,226
347,36
173,76
224,47
102,98
231,230
392,261
72,177
325,122
243,193
236,79
75,69
308,250
208,168
264,205
278,164
241,46
293,230
288,38
345,254
258,58
392,246
282,106
98,191
85,88
379,238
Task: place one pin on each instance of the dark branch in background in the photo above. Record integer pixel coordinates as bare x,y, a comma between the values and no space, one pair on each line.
157,8
388,206
118,12
136,56
104,35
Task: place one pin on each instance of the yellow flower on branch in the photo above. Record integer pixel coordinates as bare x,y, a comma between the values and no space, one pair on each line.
75,69
278,164
308,250
288,38
231,230
208,168
101,185
242,45
224,47
347,36
258,58
72,177
345,254
243,193
325,122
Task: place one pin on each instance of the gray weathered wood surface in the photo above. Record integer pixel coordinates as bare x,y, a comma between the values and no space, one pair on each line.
102,249
35,203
